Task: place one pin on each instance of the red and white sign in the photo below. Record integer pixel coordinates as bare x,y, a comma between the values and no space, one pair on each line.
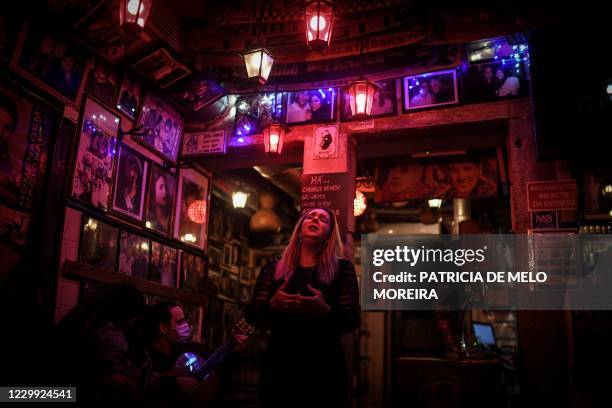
552,195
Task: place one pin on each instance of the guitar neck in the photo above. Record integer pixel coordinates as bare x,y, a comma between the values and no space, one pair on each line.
212,362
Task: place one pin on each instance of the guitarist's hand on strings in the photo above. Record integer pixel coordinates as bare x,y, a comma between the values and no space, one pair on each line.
283,301
187,384
313,305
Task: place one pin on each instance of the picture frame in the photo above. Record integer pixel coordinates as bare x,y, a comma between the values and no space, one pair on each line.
14,225
244,293
162,128
311,106
245,275
383,105
98,243
128,97
430,90
214,257
102,82
196,92
191,223
235,255
244,251
162,68
229,284
216,230
163,265
130,183
52,62
255,111
194,315
134,255
94,165
494,81
231,313
161,198
227,255
193,272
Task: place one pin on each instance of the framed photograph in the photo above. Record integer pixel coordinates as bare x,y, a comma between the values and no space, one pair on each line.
214,257
196,92
430,90
229,284
315,106
52,62
129,189
128,97
244,251
213,281
231,227
102,82
235,255
98,245
193,272
163,264
494,81
160,200
325,143
133,255
231,313
162,128
253,112
93,170
25,132
244,293
194,315
245,275
162,68
191,218
227,255
384,103
13,225
216,224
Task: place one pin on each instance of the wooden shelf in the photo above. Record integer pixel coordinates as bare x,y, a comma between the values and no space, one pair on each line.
87,272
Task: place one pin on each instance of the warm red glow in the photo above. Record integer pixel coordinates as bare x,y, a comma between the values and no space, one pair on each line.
197,211
274,135
360,203
361,96
319,22
133,14
258,64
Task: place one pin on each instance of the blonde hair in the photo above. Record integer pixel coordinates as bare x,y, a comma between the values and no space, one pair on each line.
333,250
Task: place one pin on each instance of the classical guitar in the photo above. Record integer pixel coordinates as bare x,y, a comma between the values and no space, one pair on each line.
202,369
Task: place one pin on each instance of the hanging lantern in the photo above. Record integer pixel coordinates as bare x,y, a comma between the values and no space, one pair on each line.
197,211
239,198
361,95
360,203
274,135
435,203
319,21
133,14
258,64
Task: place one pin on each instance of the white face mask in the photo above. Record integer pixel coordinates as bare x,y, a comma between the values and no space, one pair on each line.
182,333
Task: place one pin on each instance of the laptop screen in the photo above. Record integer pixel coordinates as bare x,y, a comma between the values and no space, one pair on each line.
484,333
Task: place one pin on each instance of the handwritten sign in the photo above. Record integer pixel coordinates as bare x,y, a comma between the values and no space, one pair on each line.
552,195
327,191
204,143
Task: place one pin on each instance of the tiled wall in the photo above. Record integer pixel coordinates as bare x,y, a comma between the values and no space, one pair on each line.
68,289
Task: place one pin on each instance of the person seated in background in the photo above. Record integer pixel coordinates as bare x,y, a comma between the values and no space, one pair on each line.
168,334
93,352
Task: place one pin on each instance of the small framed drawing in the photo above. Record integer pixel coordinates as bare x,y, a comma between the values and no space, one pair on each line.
191,217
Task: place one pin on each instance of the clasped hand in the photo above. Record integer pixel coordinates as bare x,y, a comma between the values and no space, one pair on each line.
288,302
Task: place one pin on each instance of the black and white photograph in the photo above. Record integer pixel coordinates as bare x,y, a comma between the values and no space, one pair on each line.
163,264
383,102
193,272
98,245
160,201
93,170
191,214
494,81
128,97
130,186
102,82
53,62
133,255
244,293
430,89
162,128
314,106
253,112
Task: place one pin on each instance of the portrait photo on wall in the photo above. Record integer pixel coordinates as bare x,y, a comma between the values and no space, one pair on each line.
193,272
191,217
93,170
253,112
163,264
463,176
494,81
133,255
216,221
130,183
25,132
102,82
98,245
160,201
325,143
13,225
314,106
162,68
162,128
52,62
383,103
430,89
128,97
197,91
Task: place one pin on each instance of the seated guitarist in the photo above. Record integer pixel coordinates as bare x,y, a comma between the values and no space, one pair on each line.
168,335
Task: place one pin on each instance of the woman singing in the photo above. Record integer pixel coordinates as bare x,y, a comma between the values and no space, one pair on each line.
307,299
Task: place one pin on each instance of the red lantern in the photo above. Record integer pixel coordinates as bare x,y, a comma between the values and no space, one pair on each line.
258,64
274,135
361,95
197,211
319,21
133,14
